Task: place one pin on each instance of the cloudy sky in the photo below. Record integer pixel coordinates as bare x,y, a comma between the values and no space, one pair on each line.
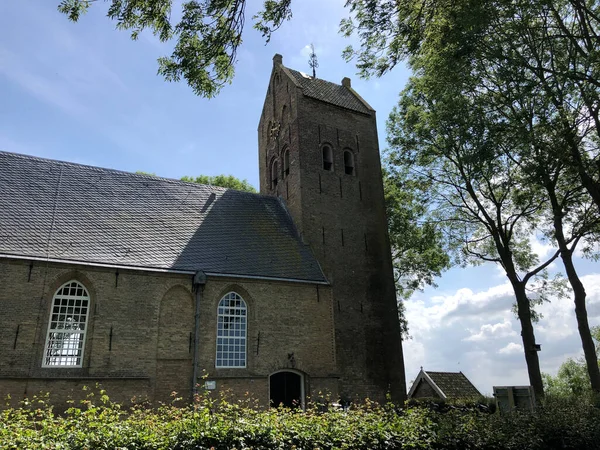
86,93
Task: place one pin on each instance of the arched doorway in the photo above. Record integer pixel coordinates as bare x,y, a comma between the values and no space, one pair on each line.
286,387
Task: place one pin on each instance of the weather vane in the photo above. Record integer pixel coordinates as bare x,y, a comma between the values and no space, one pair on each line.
312,60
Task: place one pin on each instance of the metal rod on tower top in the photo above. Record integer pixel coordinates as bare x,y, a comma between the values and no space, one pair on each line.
312,60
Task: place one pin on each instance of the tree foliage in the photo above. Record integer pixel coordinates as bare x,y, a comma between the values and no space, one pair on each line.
418,251
501,122
206,36
572,378
226,181
216,422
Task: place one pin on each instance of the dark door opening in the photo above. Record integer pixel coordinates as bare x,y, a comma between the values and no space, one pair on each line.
286,388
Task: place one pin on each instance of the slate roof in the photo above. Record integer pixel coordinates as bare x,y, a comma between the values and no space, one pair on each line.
447,384
454,384
329,92
65,211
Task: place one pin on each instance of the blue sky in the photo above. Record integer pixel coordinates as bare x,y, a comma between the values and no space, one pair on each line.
86,93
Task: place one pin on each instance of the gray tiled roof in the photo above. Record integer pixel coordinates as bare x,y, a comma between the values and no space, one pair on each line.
66,211
329,92
454,384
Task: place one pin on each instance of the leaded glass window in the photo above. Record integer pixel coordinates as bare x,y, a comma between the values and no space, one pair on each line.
65,340
231,331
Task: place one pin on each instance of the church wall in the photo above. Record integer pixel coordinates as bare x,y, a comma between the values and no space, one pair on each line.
278,132
140,333
290,326
342,217
344,220
121,338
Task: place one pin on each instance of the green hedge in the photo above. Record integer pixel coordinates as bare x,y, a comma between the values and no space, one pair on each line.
216,424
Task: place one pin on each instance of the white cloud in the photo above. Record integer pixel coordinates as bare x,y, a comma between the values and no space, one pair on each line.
495,331
511,348
541,247
476,332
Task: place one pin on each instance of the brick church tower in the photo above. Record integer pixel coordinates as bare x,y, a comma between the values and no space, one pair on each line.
319,152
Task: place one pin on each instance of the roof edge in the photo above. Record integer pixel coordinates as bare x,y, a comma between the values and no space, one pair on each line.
424,376
289,214
434,385
362,100
95,264
290,76
259,277
159,269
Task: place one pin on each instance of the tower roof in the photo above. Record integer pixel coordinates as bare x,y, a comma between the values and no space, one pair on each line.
82,214
328,92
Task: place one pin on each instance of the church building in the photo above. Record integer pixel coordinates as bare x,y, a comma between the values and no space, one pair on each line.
150,286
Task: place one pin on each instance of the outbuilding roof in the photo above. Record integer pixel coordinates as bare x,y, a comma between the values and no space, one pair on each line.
446,384
84,214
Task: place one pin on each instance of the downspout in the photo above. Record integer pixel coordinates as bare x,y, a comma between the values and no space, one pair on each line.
199,282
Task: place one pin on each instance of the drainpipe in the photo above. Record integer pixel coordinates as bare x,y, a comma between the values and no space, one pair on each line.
199,282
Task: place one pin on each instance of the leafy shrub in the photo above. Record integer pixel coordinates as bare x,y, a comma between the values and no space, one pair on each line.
219,424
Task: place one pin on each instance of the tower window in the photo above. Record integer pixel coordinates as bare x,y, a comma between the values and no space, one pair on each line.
286,163
327,158
274,174
231,331
66,329
348,162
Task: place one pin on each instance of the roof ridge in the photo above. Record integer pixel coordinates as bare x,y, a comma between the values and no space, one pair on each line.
439,371
312,78
124,172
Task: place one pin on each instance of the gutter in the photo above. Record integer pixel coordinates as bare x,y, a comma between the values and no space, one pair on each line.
159,270
199,283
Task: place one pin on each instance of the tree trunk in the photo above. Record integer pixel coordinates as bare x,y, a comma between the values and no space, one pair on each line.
589,348
591,185
528,337
579,294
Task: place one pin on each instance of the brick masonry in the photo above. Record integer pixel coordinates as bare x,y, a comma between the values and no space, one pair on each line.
344,338
140,333
342,217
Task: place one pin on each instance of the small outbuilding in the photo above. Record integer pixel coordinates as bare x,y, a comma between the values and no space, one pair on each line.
442,385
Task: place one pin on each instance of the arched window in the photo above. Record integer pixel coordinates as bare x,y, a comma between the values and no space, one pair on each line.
269,132
231,331
348,162
274,173
65,340
286,163
327,158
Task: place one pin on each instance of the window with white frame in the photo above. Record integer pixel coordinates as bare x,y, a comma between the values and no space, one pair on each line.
65,340
231,331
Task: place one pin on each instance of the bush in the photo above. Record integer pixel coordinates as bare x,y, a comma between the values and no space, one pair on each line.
215,423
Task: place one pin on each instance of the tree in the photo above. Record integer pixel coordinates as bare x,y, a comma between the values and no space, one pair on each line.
418,248
418,251
456,152
226,181
572,378
537,64
206,37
